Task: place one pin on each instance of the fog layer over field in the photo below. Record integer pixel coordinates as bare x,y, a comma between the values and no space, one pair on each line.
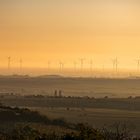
93,87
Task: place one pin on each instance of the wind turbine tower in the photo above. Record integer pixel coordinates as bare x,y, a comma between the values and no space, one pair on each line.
21,62
82,63
91,65
138,65
49,65
115,64
75,65
61,66
9,63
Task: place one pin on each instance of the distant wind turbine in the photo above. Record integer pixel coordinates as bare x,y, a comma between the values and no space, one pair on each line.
91,65
61,66
115,64
9,63
21,62
75,65
49,65
138,64
82,63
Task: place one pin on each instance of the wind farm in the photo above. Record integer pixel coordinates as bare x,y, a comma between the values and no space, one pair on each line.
78,68
69,70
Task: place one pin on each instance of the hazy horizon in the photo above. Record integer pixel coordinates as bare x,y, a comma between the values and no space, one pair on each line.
66,72
69,69
47,30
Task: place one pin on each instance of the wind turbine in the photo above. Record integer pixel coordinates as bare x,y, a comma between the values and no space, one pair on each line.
49,65
91,65
82,63
138,64
61,65
115,64
21,62
75,65
9,63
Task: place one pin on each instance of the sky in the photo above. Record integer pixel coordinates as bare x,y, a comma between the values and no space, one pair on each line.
39,31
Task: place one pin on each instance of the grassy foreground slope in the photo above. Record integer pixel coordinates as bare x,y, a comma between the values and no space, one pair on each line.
23,124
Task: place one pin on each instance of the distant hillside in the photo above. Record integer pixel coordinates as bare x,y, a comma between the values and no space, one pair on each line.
14,76
50,76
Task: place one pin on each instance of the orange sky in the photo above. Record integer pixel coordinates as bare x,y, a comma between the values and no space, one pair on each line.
66,30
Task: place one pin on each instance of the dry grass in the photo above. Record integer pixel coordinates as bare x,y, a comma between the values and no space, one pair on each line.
96,117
